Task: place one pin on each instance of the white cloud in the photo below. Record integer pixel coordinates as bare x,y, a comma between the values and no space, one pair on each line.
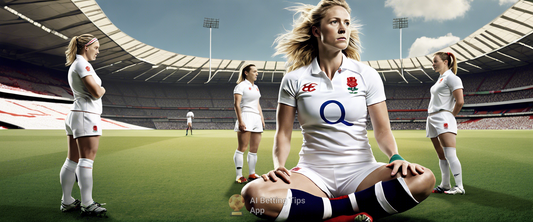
424,45
504,2
438,10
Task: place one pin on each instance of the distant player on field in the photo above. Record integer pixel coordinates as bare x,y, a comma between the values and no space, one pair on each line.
441,127
337,176
82,125
250,121
190,116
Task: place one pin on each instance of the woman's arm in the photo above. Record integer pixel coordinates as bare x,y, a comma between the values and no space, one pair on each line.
261,113
237,105
94,89
282,143
459,101
382,131
386,142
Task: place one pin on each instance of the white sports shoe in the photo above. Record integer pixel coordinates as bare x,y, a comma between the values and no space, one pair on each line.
455,190
68,207
94,209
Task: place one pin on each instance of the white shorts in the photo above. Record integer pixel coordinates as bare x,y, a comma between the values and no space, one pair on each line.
440,123
252,121
80,124
339,180
189,121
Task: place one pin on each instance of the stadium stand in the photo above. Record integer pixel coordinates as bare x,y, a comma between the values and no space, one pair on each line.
21,76
498,123
27,114
164,106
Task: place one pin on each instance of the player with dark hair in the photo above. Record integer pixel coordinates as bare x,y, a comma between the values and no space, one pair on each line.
441,127
250,122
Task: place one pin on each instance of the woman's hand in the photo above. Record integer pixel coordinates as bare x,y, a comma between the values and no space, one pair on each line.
280,173
405,166
242,126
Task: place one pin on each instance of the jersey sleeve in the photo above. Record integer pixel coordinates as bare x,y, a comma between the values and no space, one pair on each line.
83,69
375,90
454,82
287,91
238,89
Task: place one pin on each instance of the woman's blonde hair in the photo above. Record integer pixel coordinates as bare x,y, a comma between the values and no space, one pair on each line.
242,76
76,46
452,62
299,45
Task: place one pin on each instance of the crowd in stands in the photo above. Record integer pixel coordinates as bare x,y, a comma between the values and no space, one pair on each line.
498,97
515,122
408,115
164,106
522,77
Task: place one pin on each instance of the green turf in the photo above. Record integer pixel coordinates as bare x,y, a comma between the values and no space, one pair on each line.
162,175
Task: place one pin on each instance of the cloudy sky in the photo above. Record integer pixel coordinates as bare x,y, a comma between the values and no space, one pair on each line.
248,27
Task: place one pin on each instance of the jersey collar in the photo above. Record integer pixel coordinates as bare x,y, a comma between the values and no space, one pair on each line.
449,71
347,64
78,56
248,82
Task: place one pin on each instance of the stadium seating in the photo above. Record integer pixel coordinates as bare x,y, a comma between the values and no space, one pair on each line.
44,115
164,106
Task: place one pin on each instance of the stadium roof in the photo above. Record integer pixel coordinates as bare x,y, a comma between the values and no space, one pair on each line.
38,31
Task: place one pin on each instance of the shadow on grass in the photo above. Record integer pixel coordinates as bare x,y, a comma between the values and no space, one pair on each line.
12,168
235,188
24,213
492,199
400,217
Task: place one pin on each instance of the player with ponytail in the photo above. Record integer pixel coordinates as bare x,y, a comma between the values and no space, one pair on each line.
83,125
441,127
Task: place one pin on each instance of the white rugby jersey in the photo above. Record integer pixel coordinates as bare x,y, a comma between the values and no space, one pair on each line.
332,113
190,115
442,92
250,96
83,100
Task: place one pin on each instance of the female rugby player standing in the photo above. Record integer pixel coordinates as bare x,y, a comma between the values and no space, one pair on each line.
441,127
190,116
82,125
250,121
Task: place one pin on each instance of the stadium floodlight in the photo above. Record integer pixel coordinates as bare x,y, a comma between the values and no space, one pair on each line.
210,23
400,23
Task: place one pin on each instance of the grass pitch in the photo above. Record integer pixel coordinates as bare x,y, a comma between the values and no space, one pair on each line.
162,175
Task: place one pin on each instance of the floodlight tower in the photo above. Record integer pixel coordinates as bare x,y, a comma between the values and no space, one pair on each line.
400,23
210,23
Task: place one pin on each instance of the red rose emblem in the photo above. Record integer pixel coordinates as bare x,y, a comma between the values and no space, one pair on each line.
88,68
352,82
446,126
249,88
95,128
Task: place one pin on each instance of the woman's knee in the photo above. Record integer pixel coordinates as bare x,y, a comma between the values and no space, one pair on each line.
421,185
255,193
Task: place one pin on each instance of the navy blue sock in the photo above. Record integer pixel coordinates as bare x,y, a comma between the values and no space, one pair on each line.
386,198
382,199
